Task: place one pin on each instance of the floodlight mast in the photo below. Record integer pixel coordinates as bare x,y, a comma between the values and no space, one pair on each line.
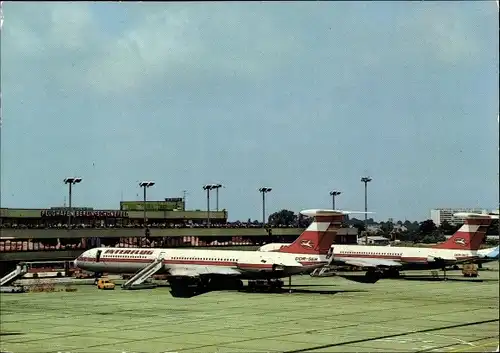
333,194
366,180
217,187
145,185
209,187
264,191
71,181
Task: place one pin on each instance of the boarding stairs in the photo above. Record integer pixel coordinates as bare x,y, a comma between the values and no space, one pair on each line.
142,275
21,270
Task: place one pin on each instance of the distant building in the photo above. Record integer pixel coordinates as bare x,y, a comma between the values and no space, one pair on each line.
373,240
439,215
399,228
346,236
374,228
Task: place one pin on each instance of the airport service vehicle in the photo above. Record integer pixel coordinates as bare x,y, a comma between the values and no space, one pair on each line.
193,271
104,283
470,270
47,269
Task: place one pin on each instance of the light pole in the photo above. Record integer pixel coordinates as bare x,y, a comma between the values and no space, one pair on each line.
71,181
366,180
184,193
333,194
208,187
264,190
217,187
145,185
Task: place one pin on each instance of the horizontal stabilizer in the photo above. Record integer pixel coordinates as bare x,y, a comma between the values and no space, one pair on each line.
475,215
327,212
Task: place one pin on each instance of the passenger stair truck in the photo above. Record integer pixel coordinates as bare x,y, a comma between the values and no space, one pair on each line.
142,275
20,270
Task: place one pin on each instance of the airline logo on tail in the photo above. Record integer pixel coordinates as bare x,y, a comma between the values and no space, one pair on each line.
307,244
471,234
318,238
460,241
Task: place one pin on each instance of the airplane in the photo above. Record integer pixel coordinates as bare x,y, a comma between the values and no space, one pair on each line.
487,255
387,261
194,271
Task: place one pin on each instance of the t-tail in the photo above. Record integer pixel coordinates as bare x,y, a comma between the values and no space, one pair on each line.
471,234
318,238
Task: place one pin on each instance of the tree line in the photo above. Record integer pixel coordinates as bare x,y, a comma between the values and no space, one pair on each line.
417,232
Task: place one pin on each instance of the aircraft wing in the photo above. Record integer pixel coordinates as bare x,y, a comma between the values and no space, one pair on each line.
364,262
207,270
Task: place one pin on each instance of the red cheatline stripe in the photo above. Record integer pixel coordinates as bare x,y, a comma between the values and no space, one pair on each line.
409,258
175,262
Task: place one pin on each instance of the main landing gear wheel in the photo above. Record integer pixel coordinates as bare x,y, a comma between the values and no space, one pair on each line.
186,287
270,285
391,273
372,276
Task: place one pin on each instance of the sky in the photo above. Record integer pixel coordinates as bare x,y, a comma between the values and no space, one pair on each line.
303,97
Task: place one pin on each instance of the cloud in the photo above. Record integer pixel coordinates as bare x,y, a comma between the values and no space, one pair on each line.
187,43
191,91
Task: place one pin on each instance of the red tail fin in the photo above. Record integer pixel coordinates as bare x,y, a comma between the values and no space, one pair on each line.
470,236
319,236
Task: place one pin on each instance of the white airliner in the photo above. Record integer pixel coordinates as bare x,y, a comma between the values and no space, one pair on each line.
488,255
387,261
200,270
462,247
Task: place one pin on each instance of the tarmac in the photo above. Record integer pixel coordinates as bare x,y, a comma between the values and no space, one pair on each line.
328,314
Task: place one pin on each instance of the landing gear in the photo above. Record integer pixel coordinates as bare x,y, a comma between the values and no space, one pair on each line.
223,284
391,273
97,276
189,287
186,287
372,276
270,285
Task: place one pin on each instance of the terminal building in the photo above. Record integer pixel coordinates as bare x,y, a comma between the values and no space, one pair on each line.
168,213
50,233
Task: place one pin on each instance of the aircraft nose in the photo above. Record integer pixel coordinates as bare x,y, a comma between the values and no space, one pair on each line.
75,262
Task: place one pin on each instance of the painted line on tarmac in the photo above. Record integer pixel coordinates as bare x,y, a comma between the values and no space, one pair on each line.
390,336
477,346
450,347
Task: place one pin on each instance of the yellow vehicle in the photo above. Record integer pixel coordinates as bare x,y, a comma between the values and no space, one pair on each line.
104,283
470,270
